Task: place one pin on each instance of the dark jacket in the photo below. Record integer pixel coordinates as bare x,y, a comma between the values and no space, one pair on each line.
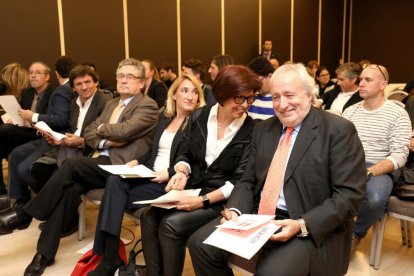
229,165
329,97
148,159
158,92
27,99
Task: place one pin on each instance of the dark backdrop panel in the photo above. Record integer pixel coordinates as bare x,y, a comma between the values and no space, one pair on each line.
383,33
94,32
242,25
331,34
29,32
276,26
200,30
305,33
153,30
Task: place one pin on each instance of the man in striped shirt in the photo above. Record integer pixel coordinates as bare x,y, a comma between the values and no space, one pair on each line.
385,131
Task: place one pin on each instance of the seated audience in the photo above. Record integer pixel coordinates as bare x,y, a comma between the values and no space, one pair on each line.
323,80
14,78
154,88
313,181
124,130
212,157
167,73
183,97
57,118
346,92
385,131
196,68
219,62
262,108
274,62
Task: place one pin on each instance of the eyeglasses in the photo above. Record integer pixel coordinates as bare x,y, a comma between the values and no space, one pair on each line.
36,73
379,68
241,99
127,76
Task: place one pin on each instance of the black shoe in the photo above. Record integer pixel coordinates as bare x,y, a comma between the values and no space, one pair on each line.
4,203
12,221
72,229
38,265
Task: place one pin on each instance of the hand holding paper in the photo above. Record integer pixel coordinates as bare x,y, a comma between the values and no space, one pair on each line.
43,127
245,236
126,171
170,199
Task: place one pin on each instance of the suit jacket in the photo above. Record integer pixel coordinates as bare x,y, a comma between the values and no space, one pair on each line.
95,109
57,116
324,183
208,94
228,166
331,96
158,92
135,126
148,159
27,99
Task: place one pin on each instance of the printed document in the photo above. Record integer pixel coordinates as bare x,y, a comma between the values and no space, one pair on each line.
125,171
11,106
245,236
170,199
42,126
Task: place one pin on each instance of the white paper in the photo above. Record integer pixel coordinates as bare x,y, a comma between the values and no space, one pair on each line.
246,222
45,128
244,243
12,107
125,171
167,201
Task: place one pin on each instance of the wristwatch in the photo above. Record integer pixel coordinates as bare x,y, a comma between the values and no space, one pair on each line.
303,231
206,201
369,174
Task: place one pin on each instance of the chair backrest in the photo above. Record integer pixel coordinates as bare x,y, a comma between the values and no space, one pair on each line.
397,95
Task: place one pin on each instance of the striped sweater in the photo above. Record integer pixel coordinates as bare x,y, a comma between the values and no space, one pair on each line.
262,108
385,133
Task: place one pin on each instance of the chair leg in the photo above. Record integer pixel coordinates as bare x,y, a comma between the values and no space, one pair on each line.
379,242
409,226
374,241
81,223
403,234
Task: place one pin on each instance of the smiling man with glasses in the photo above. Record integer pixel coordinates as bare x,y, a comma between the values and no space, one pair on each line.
385,131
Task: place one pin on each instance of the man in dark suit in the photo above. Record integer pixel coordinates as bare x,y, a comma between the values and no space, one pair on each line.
346,92
124,130
57,117
322,187
35,98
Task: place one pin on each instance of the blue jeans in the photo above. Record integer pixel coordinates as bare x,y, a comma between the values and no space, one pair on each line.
378,191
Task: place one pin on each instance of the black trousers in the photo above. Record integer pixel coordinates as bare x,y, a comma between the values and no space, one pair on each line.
57,203
12,136
165,233
277,258
120,195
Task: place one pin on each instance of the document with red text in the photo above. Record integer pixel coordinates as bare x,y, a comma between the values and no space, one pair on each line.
245,236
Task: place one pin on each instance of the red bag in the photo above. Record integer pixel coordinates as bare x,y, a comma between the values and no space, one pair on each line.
89,261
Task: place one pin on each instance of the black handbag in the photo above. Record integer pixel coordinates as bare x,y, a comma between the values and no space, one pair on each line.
133,269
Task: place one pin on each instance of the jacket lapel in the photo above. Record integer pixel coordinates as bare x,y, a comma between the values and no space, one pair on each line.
305,138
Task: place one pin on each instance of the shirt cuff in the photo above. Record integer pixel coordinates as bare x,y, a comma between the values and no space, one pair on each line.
102,144
183,163
35,117
226,189
235,210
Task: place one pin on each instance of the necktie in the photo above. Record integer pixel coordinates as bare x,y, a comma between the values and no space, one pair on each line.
34,103
113,120
117,112
275,176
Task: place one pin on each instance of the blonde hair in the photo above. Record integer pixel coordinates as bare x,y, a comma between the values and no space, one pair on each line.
15,78
170,107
